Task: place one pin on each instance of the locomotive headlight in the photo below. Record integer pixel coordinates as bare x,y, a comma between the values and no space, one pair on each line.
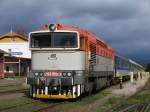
64,74
52,27
41,74
36,74
55,88
69,74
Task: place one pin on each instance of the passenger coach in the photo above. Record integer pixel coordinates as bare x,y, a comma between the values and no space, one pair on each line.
68,61
124,67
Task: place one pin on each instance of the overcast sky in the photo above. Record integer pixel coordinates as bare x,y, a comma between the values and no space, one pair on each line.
124,24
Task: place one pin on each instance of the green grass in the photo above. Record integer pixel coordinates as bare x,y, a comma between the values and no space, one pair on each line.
113,102
14,102
13,84
22,103
140,97
88,99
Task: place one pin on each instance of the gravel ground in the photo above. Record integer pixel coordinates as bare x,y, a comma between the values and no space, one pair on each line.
11,81
129,88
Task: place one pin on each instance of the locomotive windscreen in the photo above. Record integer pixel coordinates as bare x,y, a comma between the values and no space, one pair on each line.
53,40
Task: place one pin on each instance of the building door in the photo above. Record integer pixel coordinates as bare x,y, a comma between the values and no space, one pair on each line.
1,69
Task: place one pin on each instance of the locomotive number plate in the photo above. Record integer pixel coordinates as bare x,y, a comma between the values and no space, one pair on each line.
53,74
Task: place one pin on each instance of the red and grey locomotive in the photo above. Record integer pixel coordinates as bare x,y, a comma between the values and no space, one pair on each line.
68,61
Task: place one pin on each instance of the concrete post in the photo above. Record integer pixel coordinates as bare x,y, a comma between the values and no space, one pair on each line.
117,74
28,71
131,77
139,75
146,74
143,74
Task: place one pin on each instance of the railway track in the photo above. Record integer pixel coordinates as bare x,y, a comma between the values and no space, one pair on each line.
10,85
32,105
13,107
14,91
142,107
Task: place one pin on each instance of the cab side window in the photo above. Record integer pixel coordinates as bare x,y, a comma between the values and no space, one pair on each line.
82,43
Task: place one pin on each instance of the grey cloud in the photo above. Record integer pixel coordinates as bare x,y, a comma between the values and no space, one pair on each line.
108,10
122,23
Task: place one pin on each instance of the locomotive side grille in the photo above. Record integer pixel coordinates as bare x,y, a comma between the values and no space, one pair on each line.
93,54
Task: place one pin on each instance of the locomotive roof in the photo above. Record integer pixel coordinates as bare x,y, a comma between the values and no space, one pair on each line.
122,57
129,60
133,62
82,31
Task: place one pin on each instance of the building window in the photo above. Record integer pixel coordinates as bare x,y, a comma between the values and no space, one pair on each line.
7,68
9,52
1,57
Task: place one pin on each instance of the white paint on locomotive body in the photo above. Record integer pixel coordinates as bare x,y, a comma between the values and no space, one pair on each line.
65,60
104,64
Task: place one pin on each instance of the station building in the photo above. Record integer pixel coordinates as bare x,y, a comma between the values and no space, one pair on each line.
14,55
15,44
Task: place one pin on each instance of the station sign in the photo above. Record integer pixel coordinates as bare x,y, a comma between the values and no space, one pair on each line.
16,53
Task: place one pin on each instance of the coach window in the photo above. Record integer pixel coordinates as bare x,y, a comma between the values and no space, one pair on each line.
82,43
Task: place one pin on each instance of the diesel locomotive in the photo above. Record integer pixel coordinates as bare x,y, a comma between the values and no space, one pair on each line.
68,61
